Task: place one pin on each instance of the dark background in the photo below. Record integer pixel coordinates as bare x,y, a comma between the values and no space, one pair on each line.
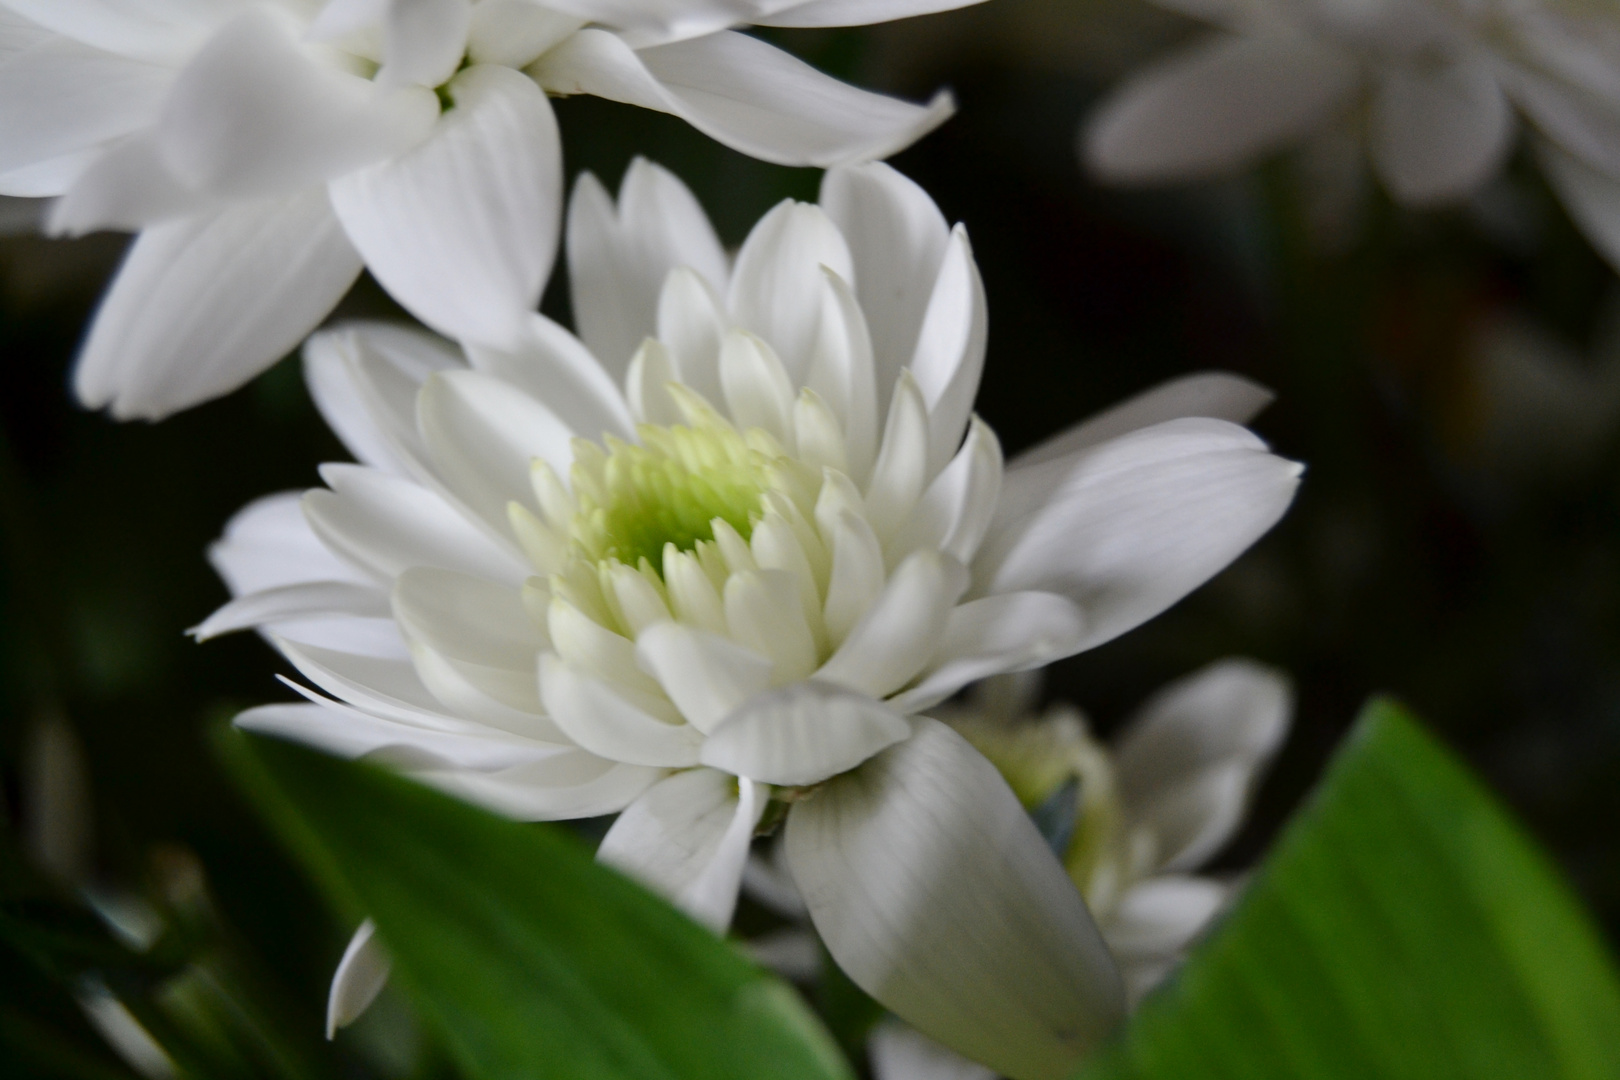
1456,541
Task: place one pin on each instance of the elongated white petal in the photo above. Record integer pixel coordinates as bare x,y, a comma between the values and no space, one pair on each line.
779,272
1215,394
58,97
956,510
842,373
127,186
997,634
42,179
950,349
278,605
1228,719
1591,197
857,574
360,977
854,12
423,41
555,367
897,239
619,256
744,93
1135,524
347,732
763,612
483,435
933,890
901,471
1217,106
898,1052
901,630
388,524
254,115
608,725
268,544
758,390
687,838
203,304
1439,133
706,675
383,686
514,33
1162,915
462,229
802,734
164,31
691,322
573,785
363,377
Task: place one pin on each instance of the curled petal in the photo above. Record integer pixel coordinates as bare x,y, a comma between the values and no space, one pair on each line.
360,977
934,891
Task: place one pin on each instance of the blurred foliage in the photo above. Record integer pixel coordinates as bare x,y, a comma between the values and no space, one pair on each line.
1404,927
1455,543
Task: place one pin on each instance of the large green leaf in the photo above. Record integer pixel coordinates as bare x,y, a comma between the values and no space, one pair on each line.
531,960
1404,927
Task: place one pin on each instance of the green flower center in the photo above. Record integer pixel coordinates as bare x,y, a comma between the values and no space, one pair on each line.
636,499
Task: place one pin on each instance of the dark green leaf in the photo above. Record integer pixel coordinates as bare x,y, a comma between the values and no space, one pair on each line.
532,960
1405,927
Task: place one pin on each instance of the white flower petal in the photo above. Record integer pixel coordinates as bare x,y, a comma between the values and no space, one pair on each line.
1216,394
901,630
364,378
779,271
46,178
203,304
1217,107
336,728
423,41
706,675
749,95
1439,133
462,229
857,573
388,524
254,115
359,978
1233,713
802,734
763,612
164,31
272,606
901,470
514,33
268,544
791,952
997,634
1161,916
127,186
842,373
58,97
384,687
854,12
571,785
933,890
691,323
1591,197
687,838
607,724
1582,124
897,239
483,435
956,510
619,256
554,366
898,1052
1133,525
1192,820
950,349
757,388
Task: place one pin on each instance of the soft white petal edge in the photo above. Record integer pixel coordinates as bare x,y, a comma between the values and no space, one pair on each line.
934,891
360,977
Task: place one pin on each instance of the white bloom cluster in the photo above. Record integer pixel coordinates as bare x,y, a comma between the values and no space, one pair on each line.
707,566
266,150
1434,86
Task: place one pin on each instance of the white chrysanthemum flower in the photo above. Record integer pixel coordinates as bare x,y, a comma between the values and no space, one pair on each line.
1433,86
722,596
265,149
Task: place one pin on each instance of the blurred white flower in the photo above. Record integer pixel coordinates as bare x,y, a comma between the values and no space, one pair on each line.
1434,87
265,149
722,595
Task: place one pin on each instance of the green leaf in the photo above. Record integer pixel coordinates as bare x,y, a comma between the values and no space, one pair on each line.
1404,927
530,959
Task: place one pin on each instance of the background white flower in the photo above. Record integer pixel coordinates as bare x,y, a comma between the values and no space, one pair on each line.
265,150
1433,86
791,538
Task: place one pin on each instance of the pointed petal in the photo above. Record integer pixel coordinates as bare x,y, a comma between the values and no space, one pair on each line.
1216,394
1128,528
956,510
855,12
268,544
254,115
997,634
273,606
1439,133
742,92
608,725
462,229
933,890
347,732
360,977
842,373
1217,107
424,41
950,349
687,838
555,368
779,266
619,255
802,734
897,238
706,675
901,630
203,304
